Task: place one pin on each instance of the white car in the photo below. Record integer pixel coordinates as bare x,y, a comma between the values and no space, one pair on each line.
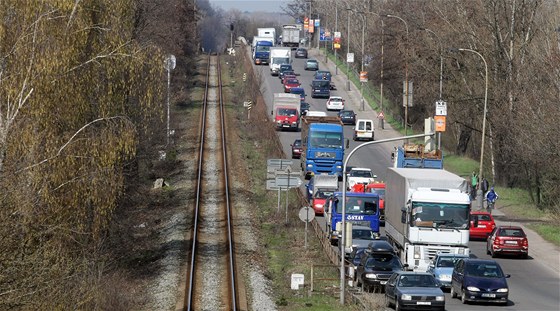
359,175
335,103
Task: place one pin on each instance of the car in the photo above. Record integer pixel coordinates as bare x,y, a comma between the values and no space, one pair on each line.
356,255
482,224
347,117
311,64
288,74
300,91
335,103
441,267
377,265
325,75
303,107
510,240
363,130
283,68
301,53
362,236
289,84
320,88
414,290
296,149
481,280
359,175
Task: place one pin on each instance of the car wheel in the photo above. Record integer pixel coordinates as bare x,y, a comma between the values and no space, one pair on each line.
398,306
487,249
453,293
364,288
493,253
464,297
387,302
525,256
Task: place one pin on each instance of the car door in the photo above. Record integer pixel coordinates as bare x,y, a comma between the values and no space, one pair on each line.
390,287
458,275
491,239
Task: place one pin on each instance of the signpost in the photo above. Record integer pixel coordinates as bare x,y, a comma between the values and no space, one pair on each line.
280,177
170,63
306,214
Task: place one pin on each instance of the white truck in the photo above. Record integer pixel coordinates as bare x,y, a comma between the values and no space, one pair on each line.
279,56
285,111
290,36
426,212
268,33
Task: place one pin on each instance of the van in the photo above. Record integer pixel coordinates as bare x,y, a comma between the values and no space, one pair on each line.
320,88
363,129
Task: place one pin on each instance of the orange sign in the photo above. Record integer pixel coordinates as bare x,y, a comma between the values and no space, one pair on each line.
306,23
337,45
440,123
363,76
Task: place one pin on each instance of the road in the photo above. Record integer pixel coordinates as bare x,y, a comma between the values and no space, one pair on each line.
534,285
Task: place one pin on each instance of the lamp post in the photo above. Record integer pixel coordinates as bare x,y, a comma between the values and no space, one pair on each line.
343,224
348,9
362,14
479,190
405,72
440,74
335,30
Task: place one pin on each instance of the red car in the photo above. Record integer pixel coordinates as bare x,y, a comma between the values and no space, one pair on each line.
484,226
508,240
289,84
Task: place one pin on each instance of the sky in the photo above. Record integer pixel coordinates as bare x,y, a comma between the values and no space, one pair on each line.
251,6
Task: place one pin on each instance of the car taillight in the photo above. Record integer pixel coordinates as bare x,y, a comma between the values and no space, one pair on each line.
525,242
498,241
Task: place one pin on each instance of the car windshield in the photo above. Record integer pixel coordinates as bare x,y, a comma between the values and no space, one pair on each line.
384,262
440,215
359,205
484,217
484,270
346,113
511,232
326,140
287,112
447,262
363,234
360,173
292,81
412,280
324,193
297,143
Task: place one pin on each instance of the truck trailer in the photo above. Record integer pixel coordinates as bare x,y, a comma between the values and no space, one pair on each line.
323,145
415,156
426,212
290,36
285,111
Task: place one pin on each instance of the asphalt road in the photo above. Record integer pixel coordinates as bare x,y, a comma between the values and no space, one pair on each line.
533,284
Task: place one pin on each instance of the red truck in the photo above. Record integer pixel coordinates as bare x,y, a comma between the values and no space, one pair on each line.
286,111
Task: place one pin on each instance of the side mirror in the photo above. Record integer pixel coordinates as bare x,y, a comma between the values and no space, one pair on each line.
347,143
374,176
403,215
392,155
507,276
475,222
271,112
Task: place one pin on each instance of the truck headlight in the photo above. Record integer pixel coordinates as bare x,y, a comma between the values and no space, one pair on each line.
416,252
339,167
461,251
309,165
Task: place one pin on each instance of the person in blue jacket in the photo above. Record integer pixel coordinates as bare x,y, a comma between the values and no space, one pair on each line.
491,197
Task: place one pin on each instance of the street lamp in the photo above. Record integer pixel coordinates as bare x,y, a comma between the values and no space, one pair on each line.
479,191
362,14
348,9
405,72
343,224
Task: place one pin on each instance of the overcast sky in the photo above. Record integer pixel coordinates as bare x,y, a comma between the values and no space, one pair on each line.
246,5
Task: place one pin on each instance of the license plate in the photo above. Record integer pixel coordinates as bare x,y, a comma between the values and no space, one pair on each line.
511,242
383,282
424,303
489,295
482,226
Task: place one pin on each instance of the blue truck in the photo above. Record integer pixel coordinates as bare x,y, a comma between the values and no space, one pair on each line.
415,156
323,145
261,53
362,209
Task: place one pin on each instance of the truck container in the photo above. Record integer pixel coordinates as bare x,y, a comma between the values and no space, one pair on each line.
268,33
279,56
285,111
361,209
290,36
414,156
323,145
261,53
426,212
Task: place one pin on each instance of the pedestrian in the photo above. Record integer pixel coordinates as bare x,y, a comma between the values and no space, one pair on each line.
474,184
491,198
484,186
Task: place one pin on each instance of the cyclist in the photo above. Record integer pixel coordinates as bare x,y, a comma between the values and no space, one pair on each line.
491,197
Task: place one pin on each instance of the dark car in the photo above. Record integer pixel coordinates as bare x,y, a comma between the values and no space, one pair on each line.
320,88
377,266
347,117
479,280
300,91
296,149
414,290
325,75
510,240
284,67
301,53
303,107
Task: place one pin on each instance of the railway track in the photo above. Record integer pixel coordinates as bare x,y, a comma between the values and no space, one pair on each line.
211,279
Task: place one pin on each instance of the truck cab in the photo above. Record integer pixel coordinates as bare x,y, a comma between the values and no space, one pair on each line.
261,53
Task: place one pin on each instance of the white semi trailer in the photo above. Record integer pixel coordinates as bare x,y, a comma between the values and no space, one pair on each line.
426,212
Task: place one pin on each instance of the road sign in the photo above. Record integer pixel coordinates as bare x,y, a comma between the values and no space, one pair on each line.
337,34
248,104
306,214
170,62
278,164
350,57
440,123
363,76
287,181
441,108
